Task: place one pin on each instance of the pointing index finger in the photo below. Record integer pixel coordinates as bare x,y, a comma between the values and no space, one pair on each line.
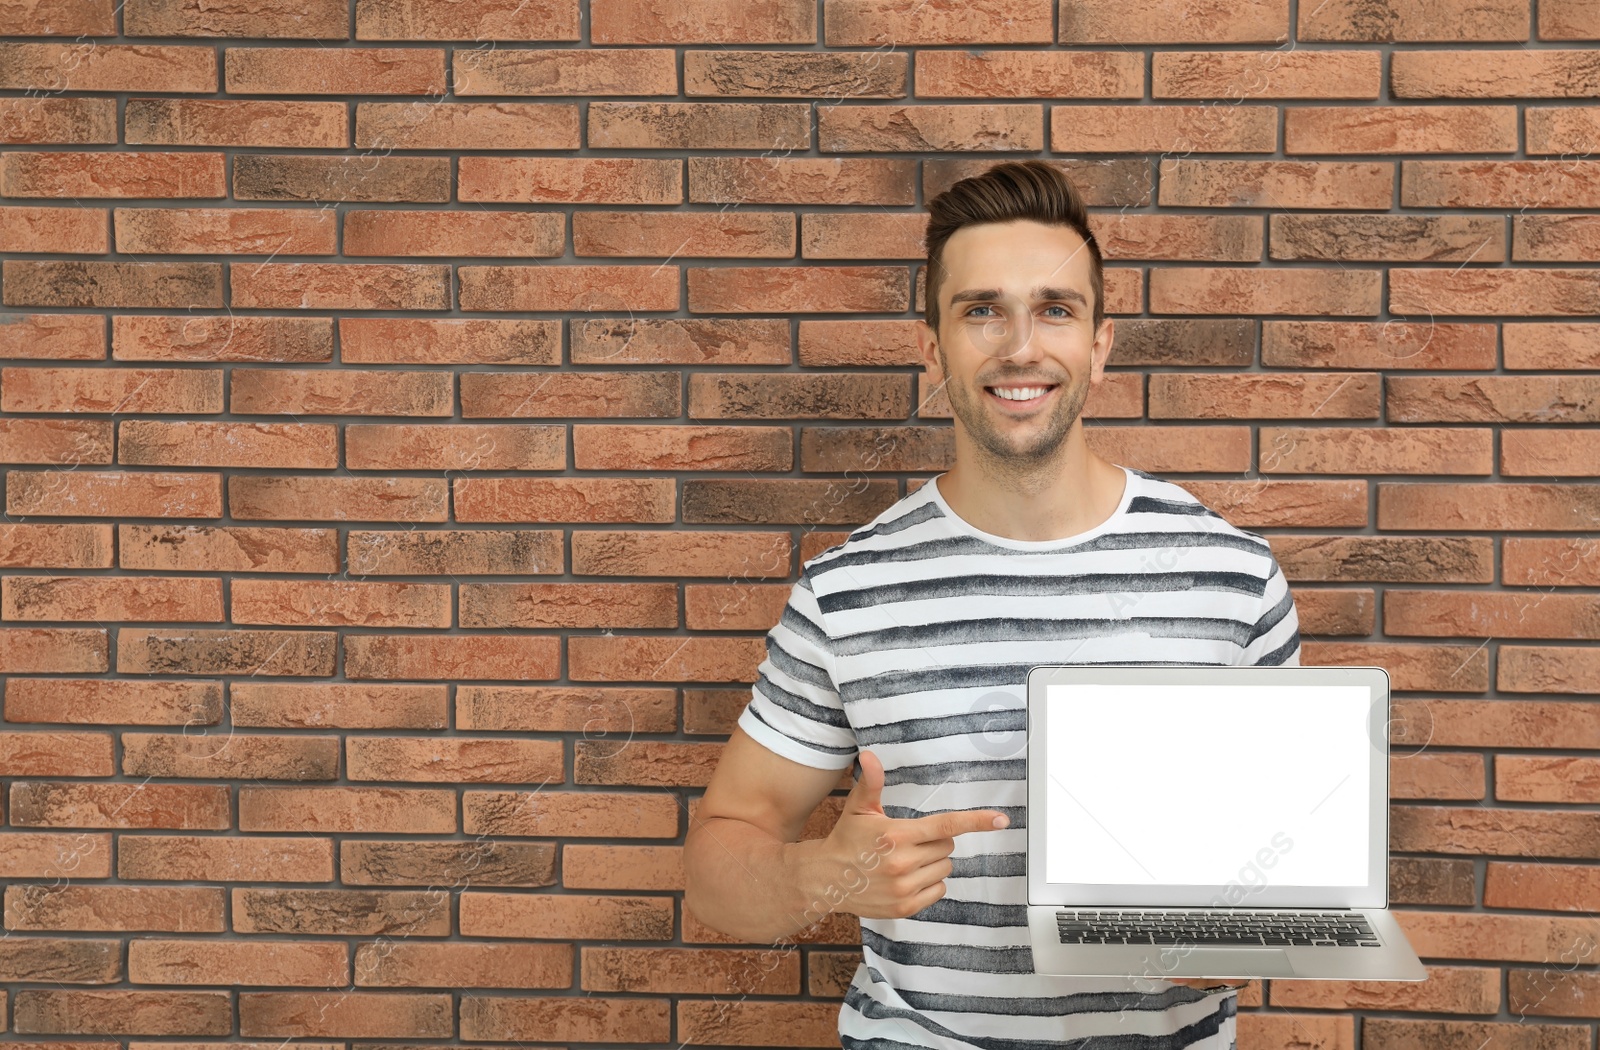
960,822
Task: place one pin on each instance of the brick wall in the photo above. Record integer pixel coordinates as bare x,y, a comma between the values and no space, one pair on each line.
415,413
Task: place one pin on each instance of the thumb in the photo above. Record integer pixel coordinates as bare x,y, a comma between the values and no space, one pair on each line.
867,794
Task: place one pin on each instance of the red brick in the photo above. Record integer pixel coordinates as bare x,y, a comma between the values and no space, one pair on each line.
34,854
1475,830
265,497
780,395
401,862
1555,562
785,289
108,67
237,122
105,494
98,599
570,287
475,20
746,1022
333,71
1336,612
1551,887
818,75
680,553
52,336
302,19
311,705
585,814
81,231
1400,129
436,657
519,395
1145,128
294,231
1555,238
342,286
52,753
467,126
704,22
52,650
699,125
641,658
1487,506
165,390
1329,395
68,441
1448,989
1479,73
1386,345
567,71
1385,1033
1376,450
1541,778
1357,185
122,1012
566,605
578,1019
1443,668
402,964
154,960
1218,290
693,971
1504,184
867,23
58,121
130,701
1388,238
785,501
377,1015
829,974
225,858
1237,75
1398,559
879,343
1535,669
233,338
1562,129
595,712
479,760
670,340
1185,22
734,607
205,548
713,711
206,444
257,756
113,284
168,909
1265,502
829,181
681,447
621,868
55,546
566,917
922,128
44,18
565,499
1028,74
687,234
415,811
455,446
1173,449
339,603
85,174
851,235
1558,345
1522,291
160,650
644,763
466,234
445,341
1383,21
1442,776
589,180
278,177
487,552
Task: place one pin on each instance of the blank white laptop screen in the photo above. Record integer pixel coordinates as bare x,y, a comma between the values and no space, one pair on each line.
1191,785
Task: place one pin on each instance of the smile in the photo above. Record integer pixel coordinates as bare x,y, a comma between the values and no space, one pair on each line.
1020,396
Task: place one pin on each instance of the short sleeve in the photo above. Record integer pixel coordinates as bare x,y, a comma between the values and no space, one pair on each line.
795,709
1275,639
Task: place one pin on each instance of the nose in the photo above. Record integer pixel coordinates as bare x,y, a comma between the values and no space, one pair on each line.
1009,334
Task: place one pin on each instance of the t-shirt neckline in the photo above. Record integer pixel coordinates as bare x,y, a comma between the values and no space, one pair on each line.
962,524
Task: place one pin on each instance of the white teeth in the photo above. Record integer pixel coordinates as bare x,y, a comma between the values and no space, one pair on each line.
1019,393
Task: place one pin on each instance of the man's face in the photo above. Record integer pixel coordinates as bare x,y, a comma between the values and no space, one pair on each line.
1016,349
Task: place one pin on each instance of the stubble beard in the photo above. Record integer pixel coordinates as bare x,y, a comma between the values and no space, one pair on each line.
1003,455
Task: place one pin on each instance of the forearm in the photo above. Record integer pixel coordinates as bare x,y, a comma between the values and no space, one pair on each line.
746,883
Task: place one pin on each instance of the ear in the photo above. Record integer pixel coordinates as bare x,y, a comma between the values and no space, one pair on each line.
1101,350
928,350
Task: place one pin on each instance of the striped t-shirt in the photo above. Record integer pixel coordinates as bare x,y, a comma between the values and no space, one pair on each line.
913,638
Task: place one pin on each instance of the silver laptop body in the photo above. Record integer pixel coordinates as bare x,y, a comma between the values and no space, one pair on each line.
1162,800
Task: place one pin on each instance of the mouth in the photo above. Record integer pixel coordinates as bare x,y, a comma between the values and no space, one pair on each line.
1016,396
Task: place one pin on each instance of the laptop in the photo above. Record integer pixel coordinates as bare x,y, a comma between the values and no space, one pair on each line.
1204,821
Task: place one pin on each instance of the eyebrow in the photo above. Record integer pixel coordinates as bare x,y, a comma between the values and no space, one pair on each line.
988,295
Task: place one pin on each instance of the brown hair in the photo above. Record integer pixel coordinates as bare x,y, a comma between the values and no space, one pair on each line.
1011,190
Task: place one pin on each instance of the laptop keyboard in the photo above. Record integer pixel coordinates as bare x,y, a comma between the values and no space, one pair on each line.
1310,928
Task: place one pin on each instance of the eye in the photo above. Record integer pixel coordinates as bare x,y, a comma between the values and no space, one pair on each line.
1065,312
973,312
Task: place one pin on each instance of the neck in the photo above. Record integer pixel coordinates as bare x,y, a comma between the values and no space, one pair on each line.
1071,492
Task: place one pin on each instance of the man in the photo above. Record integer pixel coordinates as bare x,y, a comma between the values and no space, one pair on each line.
908,646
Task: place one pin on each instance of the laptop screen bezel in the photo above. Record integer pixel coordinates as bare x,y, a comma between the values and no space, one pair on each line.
1374,894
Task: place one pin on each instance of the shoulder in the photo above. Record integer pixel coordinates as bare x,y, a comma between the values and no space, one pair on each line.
1163,505
900,523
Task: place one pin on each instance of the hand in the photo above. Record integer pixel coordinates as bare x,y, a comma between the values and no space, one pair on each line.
889,868
1211,982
